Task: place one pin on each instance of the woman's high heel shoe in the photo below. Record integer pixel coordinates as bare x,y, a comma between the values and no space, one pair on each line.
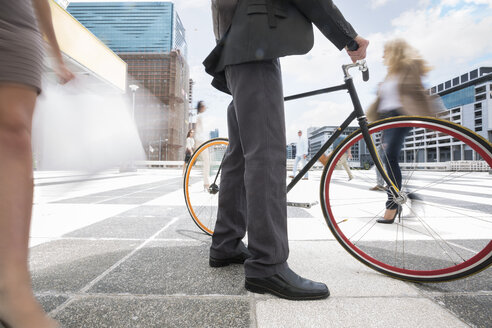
389,221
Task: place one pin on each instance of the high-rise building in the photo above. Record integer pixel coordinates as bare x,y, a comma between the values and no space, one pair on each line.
214,134
291,150
318,136
153,27
467,101
150,38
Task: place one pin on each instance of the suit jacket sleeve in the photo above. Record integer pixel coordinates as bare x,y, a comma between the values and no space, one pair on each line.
328,19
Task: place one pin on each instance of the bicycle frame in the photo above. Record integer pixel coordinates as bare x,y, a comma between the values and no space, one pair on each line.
357,113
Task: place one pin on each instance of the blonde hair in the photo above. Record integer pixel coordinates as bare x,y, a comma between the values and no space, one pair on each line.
400,56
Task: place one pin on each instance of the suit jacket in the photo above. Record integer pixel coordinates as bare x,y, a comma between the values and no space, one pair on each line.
256,30
415,100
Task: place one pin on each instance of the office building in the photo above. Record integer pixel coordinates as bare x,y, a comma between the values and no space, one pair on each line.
129,27
318,136
291,150
214,134
467,101
150,38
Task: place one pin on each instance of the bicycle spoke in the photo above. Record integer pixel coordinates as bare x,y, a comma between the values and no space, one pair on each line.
438,181
373,221
404,184
429,229
448,208
357,203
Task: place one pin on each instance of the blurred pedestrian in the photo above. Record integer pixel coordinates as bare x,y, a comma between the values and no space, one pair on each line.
343,161
21,64
379,178
200,137
401,93
302,150
189,148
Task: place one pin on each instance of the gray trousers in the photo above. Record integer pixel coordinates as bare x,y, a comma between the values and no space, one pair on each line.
252,193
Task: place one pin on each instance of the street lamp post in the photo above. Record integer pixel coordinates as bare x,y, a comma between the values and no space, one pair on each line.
160,148
166,147
130,167
134,89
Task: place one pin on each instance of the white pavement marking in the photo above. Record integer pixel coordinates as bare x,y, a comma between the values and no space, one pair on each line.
114,266
313,251
51,221
57,192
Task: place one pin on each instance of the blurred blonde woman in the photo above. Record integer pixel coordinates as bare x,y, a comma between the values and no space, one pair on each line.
401,93
21,64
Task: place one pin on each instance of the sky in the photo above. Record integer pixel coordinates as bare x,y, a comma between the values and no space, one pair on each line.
454,36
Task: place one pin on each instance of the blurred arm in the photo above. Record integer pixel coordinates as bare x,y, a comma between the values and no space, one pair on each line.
43,13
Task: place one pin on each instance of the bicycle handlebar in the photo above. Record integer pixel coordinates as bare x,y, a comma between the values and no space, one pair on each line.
365,74
353,46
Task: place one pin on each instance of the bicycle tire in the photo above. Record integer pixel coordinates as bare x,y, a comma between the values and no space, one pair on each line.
413,260
202,202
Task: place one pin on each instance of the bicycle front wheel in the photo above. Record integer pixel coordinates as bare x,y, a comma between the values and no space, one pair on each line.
202,182
445,230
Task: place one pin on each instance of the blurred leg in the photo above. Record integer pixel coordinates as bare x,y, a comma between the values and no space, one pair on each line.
393,143
346,166
17,304
294,168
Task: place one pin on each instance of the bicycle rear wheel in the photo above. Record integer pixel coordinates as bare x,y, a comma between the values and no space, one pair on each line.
445,231
202,182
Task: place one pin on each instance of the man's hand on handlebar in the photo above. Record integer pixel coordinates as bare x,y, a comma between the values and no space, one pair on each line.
360,53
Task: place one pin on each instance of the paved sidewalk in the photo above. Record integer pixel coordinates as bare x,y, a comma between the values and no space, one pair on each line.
120,250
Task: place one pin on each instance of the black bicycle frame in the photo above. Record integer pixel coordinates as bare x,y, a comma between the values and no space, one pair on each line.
358,113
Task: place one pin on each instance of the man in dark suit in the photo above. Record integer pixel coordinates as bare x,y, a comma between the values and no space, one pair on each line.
251,36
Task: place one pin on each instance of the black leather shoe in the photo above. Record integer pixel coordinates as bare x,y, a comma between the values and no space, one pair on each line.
289,285
238,259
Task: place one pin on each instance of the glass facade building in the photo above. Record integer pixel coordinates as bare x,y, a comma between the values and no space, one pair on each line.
150,38
133,27
459,97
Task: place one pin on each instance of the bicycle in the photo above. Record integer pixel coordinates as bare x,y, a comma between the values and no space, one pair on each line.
445,240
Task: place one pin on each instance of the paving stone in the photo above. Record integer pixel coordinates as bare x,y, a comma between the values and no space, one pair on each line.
51,302
149,313
123,227
69,265
166,269
328,262
82,200
155,211
139,194
294,212
184,228
354,312
133,199
480,282
473,309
